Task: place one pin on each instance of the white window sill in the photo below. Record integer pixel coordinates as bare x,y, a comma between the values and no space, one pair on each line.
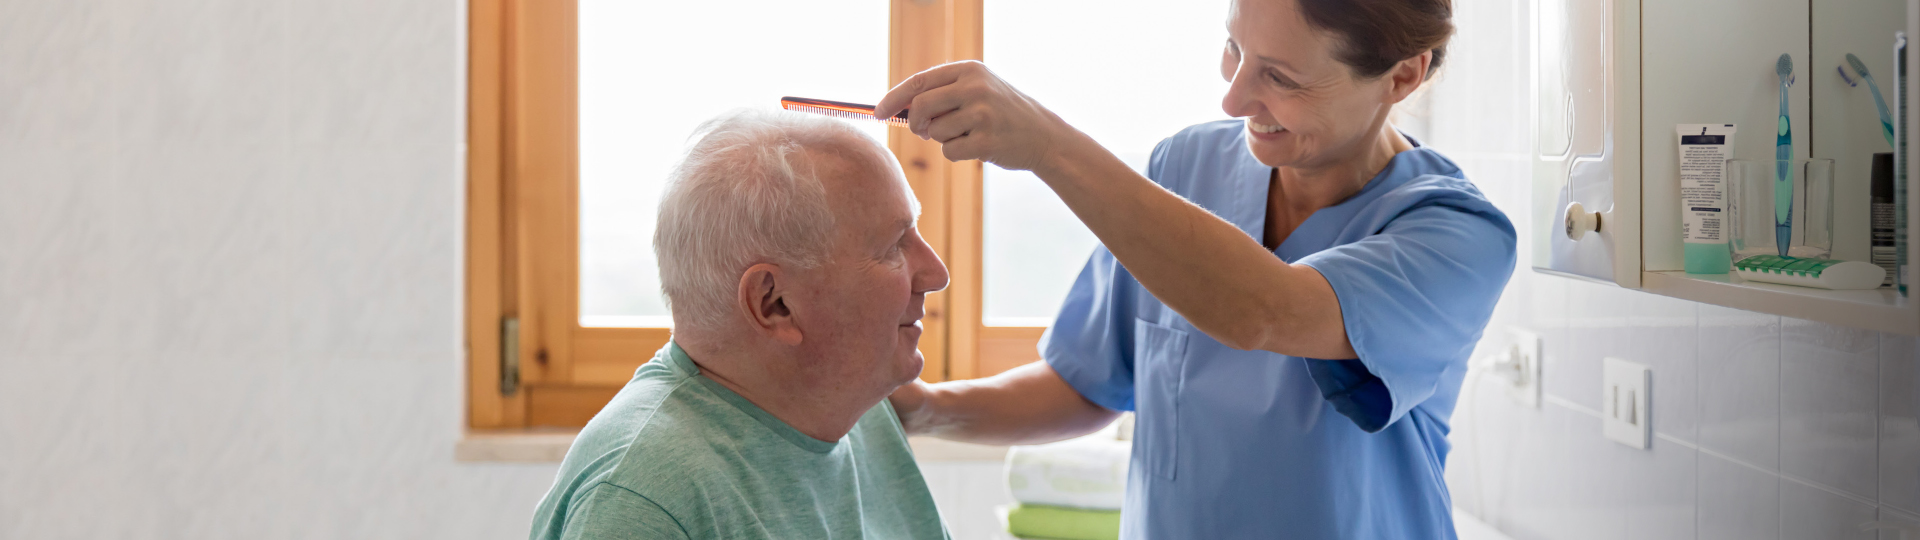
550,446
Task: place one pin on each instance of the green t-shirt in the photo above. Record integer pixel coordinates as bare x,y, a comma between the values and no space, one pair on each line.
677,455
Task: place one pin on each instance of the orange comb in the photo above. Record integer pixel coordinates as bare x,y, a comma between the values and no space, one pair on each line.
840,109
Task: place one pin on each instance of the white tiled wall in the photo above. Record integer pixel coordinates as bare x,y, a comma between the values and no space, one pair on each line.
1765,427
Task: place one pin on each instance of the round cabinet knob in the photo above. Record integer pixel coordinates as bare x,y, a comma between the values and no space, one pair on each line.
1580,221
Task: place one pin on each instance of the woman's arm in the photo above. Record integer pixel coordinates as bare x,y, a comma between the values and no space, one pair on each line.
1225,283
1204,268
1029,404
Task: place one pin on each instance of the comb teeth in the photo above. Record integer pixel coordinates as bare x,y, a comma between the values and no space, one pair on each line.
837,113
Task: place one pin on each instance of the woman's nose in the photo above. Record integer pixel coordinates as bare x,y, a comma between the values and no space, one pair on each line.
1238,101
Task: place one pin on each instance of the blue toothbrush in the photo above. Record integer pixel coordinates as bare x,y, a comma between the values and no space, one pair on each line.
1886,120
1783,162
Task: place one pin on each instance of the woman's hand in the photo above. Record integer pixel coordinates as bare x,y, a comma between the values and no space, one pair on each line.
974,114
910,405
1029,404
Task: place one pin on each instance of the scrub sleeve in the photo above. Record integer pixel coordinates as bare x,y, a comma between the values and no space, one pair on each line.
1399,292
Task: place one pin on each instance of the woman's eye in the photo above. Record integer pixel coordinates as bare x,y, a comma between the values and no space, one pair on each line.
1277,79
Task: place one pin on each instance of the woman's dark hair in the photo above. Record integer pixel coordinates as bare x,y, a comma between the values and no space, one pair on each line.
1376,34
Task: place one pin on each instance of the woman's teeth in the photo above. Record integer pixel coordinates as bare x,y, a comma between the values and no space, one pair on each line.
1263,128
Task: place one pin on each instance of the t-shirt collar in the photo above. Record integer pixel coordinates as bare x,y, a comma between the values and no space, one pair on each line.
806,442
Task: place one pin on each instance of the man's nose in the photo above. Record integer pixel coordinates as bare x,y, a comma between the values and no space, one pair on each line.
929,273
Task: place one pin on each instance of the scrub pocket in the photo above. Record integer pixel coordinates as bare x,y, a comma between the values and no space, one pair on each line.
1160,354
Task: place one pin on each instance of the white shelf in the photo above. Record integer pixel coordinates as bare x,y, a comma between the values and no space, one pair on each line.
1878,309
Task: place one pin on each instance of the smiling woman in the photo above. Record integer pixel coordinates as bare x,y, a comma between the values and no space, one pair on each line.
1302,281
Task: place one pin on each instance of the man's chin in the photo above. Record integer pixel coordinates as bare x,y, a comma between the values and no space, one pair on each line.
911,366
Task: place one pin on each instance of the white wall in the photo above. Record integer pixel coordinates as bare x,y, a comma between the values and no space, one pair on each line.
230,273
1766,427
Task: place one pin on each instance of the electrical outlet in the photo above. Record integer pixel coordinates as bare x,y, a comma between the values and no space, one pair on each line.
1527,351
1625,407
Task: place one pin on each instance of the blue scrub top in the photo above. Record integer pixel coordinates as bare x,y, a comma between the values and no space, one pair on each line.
1253,444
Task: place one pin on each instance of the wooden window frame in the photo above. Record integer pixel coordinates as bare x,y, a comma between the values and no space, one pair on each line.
523,220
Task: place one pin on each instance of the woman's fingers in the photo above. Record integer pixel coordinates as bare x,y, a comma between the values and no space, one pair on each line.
964,147
939,104
955,124
934,77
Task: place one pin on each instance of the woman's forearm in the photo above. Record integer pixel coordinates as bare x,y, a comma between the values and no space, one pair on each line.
1202,267
1029,404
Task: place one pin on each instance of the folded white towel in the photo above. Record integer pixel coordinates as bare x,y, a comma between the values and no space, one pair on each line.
1089,473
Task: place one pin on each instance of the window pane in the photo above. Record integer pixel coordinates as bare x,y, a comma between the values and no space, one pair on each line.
650,72
1127,72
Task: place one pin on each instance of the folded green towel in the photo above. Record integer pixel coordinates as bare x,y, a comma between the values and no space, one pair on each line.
1053,522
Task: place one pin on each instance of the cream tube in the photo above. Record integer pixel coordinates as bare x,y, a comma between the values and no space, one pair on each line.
1704,151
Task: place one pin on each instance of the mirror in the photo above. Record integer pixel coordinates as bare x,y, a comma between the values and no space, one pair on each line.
1846,122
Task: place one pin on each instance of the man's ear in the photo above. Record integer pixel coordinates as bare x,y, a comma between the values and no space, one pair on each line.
763,296
1407,76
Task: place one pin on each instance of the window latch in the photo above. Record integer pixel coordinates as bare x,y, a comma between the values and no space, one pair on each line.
509,355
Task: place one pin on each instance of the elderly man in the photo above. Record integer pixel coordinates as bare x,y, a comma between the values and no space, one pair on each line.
797,281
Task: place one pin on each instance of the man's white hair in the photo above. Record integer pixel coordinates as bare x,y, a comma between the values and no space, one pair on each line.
740,196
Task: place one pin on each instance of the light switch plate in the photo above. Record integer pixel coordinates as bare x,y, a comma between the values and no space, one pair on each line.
1625,409
1528,350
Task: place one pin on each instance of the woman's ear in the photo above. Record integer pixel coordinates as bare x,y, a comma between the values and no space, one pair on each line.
763,297
1407,76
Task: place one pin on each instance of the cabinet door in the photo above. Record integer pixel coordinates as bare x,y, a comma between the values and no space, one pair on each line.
1586,73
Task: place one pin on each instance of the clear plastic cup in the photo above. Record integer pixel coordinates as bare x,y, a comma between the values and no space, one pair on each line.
1752,214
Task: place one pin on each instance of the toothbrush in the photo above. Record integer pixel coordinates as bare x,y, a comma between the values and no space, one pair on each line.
1886,120
1783,162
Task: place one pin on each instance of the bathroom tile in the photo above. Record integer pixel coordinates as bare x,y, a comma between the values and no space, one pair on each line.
1597,327
1828,409
1547,316
199,248
57,57
1809,512
1899,423
1563,482
1739,381
375,72
1498,462
200,71
371,249
1665,333
1737,502
1525,491
1657,491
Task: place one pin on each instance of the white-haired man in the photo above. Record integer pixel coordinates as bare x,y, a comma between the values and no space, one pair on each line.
797,281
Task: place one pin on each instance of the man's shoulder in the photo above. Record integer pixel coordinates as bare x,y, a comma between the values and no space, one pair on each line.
654,433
